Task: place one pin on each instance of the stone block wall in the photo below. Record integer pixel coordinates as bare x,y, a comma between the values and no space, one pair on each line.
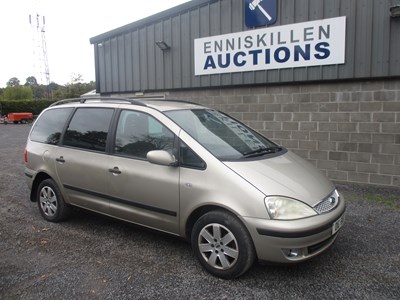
349,130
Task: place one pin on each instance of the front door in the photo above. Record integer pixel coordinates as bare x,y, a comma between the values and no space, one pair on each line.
142,192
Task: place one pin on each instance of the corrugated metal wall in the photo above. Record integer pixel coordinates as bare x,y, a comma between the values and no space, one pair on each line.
128,60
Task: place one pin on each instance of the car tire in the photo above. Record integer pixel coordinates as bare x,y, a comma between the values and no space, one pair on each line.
222,244
51,203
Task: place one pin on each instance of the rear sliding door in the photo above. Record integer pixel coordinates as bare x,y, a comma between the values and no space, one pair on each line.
82,162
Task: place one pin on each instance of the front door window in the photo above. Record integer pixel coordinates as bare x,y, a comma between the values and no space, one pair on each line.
139,133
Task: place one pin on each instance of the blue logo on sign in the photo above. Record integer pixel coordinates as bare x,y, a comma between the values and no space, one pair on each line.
260,12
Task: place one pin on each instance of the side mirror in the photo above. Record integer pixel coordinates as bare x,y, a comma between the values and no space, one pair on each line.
161,157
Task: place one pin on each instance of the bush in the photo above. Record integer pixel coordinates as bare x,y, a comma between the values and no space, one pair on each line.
17,93
33,106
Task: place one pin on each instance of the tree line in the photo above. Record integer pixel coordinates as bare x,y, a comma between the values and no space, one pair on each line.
31,90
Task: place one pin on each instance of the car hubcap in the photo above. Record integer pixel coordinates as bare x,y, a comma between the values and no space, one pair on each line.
48,201
218,246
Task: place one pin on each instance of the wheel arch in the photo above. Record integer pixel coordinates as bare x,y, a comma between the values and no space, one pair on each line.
198,212
38,179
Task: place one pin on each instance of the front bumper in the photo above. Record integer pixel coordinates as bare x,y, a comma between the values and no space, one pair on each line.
295,240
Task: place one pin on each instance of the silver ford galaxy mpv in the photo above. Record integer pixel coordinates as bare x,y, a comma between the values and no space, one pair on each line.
187,170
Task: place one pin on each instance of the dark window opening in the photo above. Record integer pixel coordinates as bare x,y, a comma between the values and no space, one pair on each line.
139,133
89,129
49,126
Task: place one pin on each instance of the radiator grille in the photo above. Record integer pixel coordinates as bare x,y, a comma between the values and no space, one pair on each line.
328,203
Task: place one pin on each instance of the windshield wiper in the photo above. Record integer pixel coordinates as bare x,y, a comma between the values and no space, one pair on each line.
262,151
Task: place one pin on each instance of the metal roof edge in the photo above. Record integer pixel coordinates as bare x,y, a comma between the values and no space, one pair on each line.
151,19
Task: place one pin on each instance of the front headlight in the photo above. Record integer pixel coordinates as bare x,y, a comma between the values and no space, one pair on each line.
283,208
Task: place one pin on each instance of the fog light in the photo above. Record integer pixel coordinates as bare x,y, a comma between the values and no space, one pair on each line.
292,253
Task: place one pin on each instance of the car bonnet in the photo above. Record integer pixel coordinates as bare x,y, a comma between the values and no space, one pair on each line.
285,175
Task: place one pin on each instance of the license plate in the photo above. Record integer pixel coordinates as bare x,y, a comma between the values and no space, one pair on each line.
337,225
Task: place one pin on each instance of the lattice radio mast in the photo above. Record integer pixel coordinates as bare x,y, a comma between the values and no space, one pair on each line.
40,61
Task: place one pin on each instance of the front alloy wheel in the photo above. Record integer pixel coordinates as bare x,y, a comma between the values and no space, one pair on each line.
218,246
222,244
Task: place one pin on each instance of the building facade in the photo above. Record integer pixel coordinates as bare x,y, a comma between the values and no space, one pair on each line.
320,77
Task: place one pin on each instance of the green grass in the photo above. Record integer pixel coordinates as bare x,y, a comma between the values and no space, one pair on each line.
390,201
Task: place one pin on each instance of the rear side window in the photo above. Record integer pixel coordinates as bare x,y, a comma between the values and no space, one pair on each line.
49,126
89,128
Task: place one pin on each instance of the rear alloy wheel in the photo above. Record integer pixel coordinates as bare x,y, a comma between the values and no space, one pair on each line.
222,244
51,203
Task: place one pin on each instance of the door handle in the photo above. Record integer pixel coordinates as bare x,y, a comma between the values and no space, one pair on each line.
115,171
60,159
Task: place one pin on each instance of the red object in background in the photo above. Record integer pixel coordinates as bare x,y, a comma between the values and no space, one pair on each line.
20,117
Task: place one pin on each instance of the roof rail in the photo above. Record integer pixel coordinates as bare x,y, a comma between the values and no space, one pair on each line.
104,99
172,100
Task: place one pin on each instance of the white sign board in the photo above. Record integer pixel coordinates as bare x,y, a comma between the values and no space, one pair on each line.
305,44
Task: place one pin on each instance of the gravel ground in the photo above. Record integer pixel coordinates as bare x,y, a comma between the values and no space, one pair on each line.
93,257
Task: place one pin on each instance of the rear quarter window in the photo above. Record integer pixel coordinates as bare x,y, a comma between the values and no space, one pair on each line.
49,126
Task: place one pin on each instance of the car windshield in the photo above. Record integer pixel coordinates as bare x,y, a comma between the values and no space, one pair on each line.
224,137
